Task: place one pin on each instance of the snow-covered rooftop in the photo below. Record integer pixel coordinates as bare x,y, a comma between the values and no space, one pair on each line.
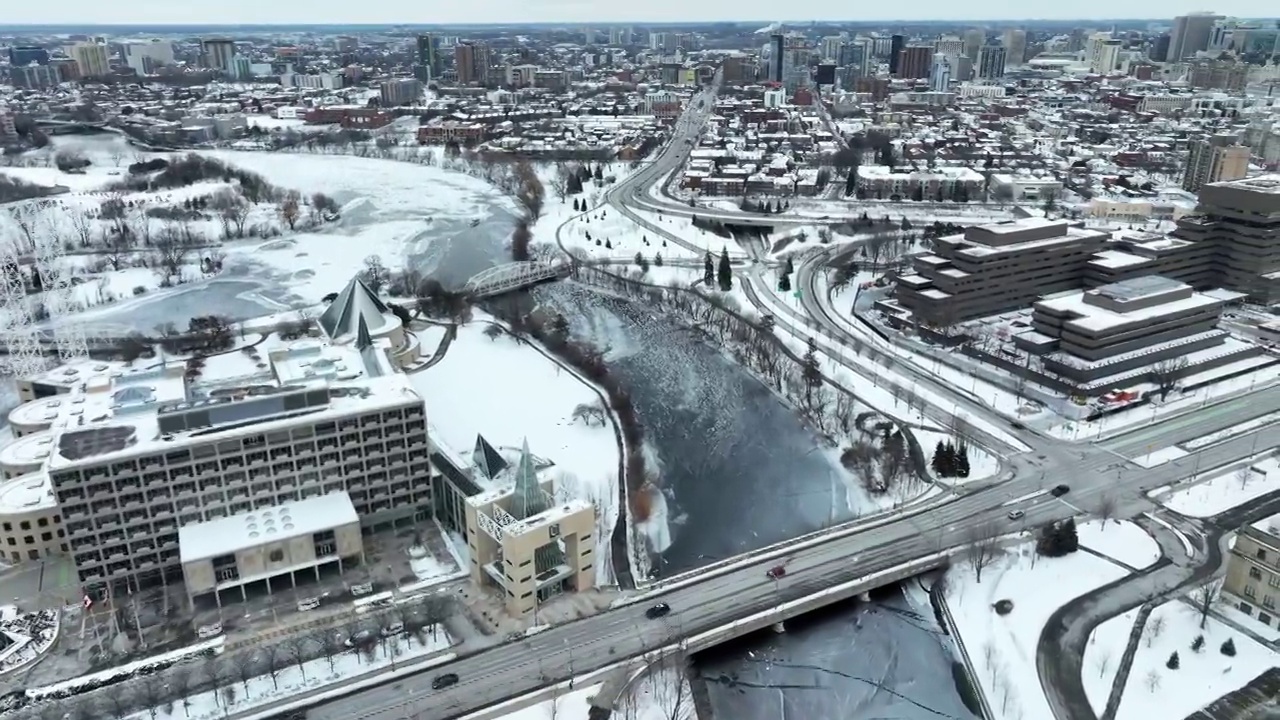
231,534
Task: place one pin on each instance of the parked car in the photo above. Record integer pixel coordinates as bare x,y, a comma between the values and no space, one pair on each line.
1016,514
657,611
443,681
777,572
1059,490
393,629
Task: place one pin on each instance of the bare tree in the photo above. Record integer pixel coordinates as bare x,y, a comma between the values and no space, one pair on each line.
1102,662
245,669
1244,475
84,708
296,648
1106,509
981,546
560,180
670,684
1155,626
375,274
180,683
118,703
327,640
1205,598
1152,681
169,253
1166,374
212,672
228,695
151,694
52,710
271,660
82,225
291,208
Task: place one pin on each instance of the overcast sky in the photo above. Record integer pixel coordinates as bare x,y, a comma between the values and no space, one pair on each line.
190,12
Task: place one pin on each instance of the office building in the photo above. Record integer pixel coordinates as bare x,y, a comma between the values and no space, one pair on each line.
471,61
400,91
896,44
1241,220
8,130
914,62
829,48
27,54
1191,34
522,541
1218,75
777,57
133,454
1252,582
1091,334
991,61
1218,158
1159,51
620,36
232,554
218,53
949,45
92,59
661,42
1015,45
145,58
1104,54
35,76
973,41
940,74
990,269
430,59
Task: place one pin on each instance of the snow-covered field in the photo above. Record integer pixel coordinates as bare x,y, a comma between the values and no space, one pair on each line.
660,695
1153,690
1120,540
508,392
1159,457
1003,648
1226,490
1228,433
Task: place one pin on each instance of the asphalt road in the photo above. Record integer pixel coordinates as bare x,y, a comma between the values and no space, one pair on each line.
565,651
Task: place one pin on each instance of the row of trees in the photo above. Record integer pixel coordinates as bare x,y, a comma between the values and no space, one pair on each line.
951,460
229,675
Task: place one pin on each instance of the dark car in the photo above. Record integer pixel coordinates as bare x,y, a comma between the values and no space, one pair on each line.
444,681
1059,490
657,611
776,572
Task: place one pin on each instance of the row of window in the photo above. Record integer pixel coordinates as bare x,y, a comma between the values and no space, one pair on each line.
45,536
26,524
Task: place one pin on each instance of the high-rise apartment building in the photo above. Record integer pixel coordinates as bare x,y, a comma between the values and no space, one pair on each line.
973,41
777,57
941,74
991,61
1191,34
92,59
218,54
1159,51
1015,45
144,58
915,61
430,60
27,54
896,44
400,91
949,45
829,48
471,60
1215,159
1104,54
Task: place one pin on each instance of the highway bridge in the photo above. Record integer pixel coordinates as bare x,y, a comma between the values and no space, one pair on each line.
705,606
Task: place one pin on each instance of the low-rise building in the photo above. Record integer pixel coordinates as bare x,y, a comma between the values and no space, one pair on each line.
1252,582
880,182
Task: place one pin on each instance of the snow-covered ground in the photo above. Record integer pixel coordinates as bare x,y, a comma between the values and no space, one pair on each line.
1226,490
308,678
508,392
1230,432
1120,540
660,695
1159,457
1153,690
1003,648
982,464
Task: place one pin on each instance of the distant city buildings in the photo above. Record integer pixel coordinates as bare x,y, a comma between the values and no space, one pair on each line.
1191,34
217,54
92,59
145,58
1216,159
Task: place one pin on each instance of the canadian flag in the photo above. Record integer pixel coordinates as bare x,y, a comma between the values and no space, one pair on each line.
87,602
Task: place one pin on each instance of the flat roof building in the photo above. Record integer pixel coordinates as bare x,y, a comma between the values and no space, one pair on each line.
990,269
268,543
1123,326
1240,220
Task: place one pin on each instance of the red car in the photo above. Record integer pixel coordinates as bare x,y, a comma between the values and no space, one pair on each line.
777,572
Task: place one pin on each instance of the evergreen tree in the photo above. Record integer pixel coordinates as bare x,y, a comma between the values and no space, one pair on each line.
708,270
657,259
1173,662
766,324
789,267
608,244
784,283
1070,538
1198,644
599,174
724,274
939,457
639,258
962,461
644,264
575,205
1229,648
811,372
917,193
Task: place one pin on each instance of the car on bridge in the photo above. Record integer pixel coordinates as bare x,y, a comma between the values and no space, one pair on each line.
1059,490
443,681
1016,514
777,572
657,611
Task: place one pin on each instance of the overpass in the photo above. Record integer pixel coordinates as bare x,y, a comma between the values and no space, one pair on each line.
713,606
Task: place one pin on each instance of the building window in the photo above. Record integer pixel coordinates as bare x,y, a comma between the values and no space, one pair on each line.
1268,602
1260,553
1264,618
29,540
1249,591
276,556
1255,573
26,525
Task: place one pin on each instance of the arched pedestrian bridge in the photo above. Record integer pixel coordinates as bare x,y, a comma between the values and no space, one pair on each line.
513,276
